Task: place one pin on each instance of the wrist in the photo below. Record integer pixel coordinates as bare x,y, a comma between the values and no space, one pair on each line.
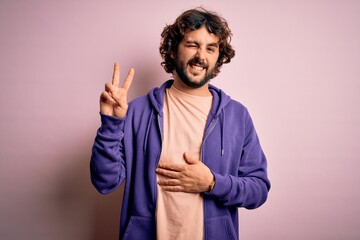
212,184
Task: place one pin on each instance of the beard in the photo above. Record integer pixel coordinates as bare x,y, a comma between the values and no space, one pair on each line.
180,68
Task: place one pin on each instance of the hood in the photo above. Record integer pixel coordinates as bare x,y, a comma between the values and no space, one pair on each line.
220,100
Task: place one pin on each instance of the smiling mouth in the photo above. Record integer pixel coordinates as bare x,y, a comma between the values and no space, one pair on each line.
197,67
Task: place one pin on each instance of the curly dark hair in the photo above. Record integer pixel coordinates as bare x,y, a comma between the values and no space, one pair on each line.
194,19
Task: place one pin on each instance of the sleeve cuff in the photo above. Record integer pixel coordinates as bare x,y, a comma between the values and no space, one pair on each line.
111,125
222,186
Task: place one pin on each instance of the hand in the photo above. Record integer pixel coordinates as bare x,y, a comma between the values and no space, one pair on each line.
113,101
194,177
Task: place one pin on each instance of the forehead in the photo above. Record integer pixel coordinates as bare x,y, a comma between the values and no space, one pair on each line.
201,35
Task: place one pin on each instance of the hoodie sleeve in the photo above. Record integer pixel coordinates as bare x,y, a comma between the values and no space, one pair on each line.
107,168
250,187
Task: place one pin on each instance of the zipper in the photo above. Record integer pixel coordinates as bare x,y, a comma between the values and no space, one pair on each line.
159,125
157,163
210,128
207,133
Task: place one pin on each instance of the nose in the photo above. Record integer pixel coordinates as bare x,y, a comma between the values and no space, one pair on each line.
200,54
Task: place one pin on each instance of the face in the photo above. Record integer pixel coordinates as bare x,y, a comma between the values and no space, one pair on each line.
196,58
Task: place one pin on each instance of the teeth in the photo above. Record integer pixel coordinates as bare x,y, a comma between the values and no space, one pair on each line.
198,68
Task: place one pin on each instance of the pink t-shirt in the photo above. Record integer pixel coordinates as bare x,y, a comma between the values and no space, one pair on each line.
180,215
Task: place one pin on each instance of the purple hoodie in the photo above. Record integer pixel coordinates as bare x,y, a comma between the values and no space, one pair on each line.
129,149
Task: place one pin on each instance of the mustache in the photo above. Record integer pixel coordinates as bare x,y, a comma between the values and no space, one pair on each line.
197,61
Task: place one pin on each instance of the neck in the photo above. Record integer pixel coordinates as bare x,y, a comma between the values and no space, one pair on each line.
202,91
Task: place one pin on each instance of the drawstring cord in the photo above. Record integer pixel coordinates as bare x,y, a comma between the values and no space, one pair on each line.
222,122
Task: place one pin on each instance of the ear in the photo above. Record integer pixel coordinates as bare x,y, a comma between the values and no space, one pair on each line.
173,54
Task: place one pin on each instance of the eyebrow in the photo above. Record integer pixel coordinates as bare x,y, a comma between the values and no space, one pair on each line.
214,44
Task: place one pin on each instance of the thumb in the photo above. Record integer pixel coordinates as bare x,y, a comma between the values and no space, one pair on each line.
191,158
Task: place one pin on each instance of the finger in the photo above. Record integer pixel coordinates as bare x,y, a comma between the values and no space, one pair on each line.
191,159
109,88
173,188
116,75
128,81
167,173
171,182
105,96
171,166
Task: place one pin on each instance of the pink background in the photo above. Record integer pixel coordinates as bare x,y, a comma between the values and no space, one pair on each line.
297,69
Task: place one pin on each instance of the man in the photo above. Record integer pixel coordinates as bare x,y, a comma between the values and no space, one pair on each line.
189,154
